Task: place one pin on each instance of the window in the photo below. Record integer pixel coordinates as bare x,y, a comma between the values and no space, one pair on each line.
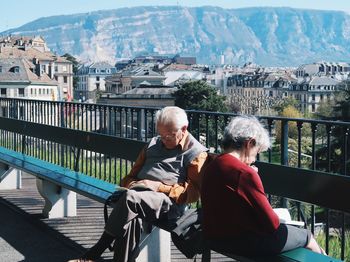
56,68
313,98
3,91
14,69
0,69
20,91
65,79
97,85
97,78
313,108
64,68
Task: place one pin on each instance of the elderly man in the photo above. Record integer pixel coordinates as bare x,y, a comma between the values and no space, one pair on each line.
163,180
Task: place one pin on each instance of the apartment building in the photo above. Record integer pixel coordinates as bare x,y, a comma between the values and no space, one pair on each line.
133,77
91,80
31,54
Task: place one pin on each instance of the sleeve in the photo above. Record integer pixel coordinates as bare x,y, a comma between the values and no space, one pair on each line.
131,177
188,192
252,190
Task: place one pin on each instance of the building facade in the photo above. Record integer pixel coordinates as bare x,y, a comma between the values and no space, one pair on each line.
34,56
91,80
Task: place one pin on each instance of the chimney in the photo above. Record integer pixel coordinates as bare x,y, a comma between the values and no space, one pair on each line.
38,70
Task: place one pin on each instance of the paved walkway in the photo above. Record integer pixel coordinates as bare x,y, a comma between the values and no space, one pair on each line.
26,236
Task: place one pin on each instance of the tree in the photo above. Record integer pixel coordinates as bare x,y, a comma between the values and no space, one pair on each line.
198,95
76,64
342,106
338,147
325,110
286,102
291,112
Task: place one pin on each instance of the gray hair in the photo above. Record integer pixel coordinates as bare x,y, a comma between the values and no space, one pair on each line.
243,128
172,115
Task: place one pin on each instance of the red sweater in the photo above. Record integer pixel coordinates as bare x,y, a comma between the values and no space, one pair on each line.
234,201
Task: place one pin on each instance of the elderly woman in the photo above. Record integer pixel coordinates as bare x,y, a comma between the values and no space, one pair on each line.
247,225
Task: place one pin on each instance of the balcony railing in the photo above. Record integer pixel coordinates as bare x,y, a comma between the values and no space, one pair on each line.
301,143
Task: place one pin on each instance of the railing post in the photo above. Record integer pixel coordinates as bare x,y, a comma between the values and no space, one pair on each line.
284,142
284,152
139,124
62,105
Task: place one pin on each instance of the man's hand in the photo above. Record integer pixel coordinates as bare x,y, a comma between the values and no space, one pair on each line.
153,185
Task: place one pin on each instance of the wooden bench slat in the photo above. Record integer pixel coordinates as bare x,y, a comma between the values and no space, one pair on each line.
88,186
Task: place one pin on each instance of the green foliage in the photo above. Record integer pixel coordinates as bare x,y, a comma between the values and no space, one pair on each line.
306,151
340,112
342,106
74,61
76,64
198,95
325,110
284,103
290,112
335,244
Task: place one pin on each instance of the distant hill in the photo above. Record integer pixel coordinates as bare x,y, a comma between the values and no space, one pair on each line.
266,36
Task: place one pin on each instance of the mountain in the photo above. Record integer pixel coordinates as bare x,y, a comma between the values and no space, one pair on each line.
265,35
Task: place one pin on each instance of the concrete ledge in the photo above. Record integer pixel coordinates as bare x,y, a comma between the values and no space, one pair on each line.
59,202
10,178
155,246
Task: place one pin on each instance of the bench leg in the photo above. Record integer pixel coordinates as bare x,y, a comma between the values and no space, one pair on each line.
10,178
59,202
206,255
155,246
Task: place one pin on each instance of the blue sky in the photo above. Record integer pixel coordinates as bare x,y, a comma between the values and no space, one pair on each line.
16,13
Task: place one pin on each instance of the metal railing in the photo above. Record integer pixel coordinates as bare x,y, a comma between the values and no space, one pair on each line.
302,143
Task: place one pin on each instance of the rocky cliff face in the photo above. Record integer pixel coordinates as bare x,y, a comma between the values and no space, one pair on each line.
266,36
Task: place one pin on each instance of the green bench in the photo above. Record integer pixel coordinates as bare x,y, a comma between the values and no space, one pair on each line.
318,188
55,181
299,254
58,185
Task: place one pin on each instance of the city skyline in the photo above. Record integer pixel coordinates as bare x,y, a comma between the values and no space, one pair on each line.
12,15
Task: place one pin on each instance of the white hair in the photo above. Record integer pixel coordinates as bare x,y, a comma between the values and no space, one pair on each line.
242,128
172,115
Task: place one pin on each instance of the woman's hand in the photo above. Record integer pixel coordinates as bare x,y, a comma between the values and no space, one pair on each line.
255,168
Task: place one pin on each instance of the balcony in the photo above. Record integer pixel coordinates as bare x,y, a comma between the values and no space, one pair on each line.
302,144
